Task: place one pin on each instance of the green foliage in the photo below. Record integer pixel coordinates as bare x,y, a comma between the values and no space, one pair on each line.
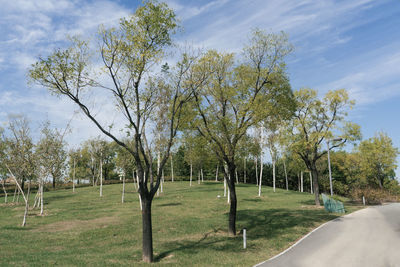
51,153
378,159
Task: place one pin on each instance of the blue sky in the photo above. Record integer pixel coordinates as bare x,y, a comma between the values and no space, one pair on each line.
338,44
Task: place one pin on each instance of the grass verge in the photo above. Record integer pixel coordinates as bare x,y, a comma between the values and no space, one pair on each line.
189,226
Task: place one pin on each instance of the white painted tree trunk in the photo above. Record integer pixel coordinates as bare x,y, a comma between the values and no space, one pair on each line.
244,170
216,173
256,171
311,184
202,175
286,178
237,177
162,182
140,202
158,169
198,178
26,204
191,173
5,192
23,195
260,180
73,179
273,174
172,169
41,197
101,176
224,187
123,188
301,182
229,196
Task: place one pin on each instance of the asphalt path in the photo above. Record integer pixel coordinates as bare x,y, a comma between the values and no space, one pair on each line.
368,237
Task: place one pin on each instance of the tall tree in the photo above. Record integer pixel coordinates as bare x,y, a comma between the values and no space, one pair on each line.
51,152
238,94
318,120
129,54
377,157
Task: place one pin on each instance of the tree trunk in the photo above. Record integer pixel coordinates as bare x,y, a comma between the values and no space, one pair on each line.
54,182
147,249
260,180
224,186
286,178
191,173
216,173
73,179
311,183
41,197
172,169
301,182
233,200
202,175
237,177
123,188
273,174
101,177
256,171
244,172
315,184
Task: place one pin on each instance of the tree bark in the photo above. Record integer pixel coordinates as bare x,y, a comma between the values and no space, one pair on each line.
315,184
260,180
233,200
191,173
101,177
216,173
256,171
244,171
301,182
172,169
273,174
73,179
286,178
147,249
123,189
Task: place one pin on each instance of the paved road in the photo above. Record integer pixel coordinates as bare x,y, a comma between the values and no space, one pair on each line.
368,237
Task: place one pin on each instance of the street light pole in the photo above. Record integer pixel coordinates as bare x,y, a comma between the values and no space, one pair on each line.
329,162
329,168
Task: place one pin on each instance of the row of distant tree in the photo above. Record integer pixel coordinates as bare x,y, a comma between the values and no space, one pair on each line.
371,163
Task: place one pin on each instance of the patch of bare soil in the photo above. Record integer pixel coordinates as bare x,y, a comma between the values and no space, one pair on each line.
78,224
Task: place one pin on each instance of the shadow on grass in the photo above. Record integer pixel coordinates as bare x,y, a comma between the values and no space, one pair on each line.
169,204
260,224
252,199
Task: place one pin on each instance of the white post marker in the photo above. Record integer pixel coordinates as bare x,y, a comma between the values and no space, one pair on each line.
244,237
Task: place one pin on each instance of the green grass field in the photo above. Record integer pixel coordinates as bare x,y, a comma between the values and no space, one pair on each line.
189,226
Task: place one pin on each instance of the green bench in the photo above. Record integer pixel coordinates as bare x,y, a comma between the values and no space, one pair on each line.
332,205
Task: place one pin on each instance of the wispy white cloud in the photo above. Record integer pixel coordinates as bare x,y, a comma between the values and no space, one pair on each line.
374,81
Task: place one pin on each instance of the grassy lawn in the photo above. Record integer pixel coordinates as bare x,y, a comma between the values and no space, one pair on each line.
189,226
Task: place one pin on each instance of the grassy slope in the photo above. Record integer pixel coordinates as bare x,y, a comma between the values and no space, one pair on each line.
189,227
